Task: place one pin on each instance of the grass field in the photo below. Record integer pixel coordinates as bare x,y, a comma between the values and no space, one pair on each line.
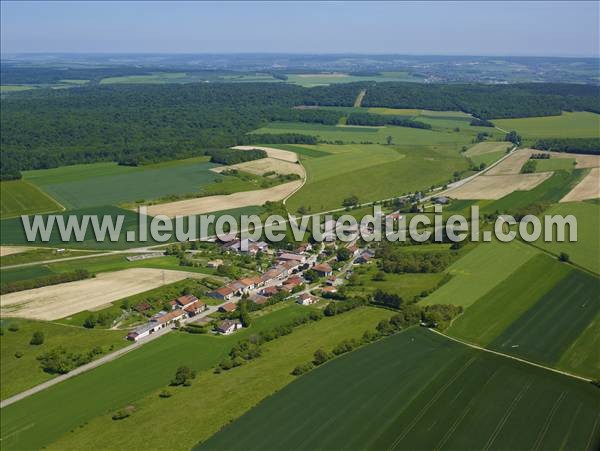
549,191
486,318
547,329
479,271
81,186
17,197
554,164
19,374
586,249
567,125
148,370
438,395
12,232
36,255
487,152
332,178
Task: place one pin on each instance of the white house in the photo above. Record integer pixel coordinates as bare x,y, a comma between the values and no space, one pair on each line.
229,326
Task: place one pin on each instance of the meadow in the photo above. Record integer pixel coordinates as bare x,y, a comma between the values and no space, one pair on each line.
18,197
567,125
20,373
487,152
585,250
454,398
554,164
98,184
479,271
38,254
140,375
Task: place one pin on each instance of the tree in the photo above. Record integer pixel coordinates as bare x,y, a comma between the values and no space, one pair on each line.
183,376
320,357
513,137
37,338
564,257
90,322
244,315
350,201
379,276
343,254
389,140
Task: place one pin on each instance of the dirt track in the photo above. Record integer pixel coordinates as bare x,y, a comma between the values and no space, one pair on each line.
588,188
9,250
497,186
58,301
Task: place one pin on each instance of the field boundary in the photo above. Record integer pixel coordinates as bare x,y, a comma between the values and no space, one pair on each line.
528,362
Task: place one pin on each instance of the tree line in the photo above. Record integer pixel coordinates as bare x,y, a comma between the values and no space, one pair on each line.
377,120
590,146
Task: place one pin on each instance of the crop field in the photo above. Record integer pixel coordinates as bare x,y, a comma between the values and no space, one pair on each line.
586,249
487,152
588,188
567,125
546,330
99,184
554,164
479,271
454,398
98,393
497,186
485,319
333,178
551,190
19,374
12,232
57,301
18,197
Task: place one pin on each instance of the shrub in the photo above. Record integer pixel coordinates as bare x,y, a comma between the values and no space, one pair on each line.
165,394
18,354
320,357
564,257
14,327
183,376
301,369
37,338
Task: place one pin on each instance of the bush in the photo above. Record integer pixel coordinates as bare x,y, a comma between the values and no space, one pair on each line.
320,357
165,394
37,338
183,376
18,354
301,369
14,327
121,415
564,257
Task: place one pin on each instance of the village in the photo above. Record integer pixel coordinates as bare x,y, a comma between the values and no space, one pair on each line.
288,277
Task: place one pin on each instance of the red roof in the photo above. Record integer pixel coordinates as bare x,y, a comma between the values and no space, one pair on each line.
229,307
322,267
186,299
224,291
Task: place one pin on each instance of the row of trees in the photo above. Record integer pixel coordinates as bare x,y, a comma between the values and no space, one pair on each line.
589,146
382,119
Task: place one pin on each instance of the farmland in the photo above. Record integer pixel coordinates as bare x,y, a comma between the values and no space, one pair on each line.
479,271
21,373
456,398
97,393
487,152
21,198
98,184
567,125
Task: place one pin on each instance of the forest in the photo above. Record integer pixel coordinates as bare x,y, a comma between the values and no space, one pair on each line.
376,120
138,124
570,145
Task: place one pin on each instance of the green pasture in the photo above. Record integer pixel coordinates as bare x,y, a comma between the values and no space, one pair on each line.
17,197
39,254
20,373
586,249
96,184
567,125
479,271
139,376
417,390
554,164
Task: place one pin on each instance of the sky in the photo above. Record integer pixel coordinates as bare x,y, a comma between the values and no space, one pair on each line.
538,28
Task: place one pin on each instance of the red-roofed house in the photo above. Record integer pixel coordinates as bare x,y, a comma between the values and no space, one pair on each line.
223,293
228,308
323,269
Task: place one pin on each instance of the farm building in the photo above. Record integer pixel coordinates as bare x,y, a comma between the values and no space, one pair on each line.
186,300
442,200
292,283
323,269
287,256
171,317
229,326
307,299
223,293
143,331
329,290
258,299
228,308
269,291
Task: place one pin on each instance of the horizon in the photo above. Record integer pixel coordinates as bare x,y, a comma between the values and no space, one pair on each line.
492,29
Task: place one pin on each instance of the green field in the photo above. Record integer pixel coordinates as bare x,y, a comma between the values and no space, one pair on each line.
21,373
586,249
554,164
487,152
547,329
567,125
484,320
139,376
549,191
417,390
18,197
15,88
12,232
479,271
332,178
37,255
81,186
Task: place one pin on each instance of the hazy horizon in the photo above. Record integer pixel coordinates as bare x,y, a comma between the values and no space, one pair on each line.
495,29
